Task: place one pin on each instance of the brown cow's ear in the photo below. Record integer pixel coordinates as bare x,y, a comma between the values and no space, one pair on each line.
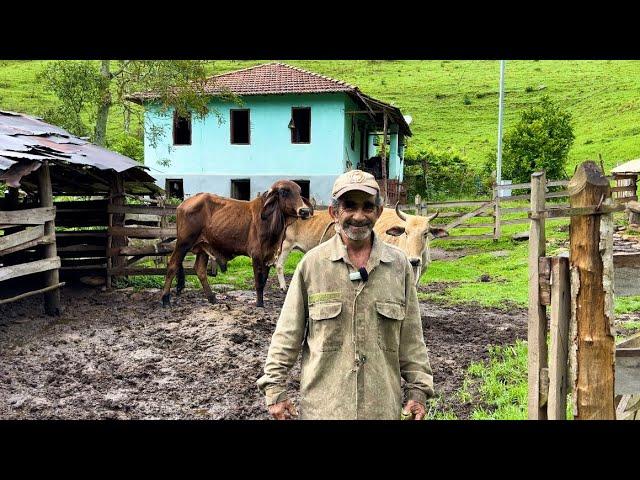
308,204
395,231
438,232
269,205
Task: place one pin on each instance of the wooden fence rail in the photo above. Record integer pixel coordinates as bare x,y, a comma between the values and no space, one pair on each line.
498,211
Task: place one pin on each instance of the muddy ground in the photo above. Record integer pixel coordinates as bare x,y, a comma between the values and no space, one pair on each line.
120,355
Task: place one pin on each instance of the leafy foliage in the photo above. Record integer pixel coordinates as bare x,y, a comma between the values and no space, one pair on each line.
540,141
439,174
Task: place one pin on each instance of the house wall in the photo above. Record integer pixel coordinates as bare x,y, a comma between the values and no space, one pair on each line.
211,161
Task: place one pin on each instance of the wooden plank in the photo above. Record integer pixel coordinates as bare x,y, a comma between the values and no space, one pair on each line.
34,292
465,237
526,197
34,243
559,349
515,221
590,257
29,216
15,239
515,210
141,209
144,232
627,380
544,280
476,225
469,203
83,233
469,215
514,186
537,325
148,250
557,183
22,269
626,188
145,271
82,248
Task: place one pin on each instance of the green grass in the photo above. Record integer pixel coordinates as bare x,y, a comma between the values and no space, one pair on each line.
501,384
453,103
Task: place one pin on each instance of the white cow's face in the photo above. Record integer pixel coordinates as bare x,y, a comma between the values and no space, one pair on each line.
413,234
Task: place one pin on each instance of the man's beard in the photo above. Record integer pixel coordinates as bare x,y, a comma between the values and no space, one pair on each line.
355,231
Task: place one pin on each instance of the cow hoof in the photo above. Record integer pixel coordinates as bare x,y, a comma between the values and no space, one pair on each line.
212,300
260,304
179,290
166,300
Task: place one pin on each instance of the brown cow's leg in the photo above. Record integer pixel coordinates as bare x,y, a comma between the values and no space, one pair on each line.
201,270
175,264
259,280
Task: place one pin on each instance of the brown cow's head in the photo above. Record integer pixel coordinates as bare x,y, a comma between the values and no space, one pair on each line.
414,232
281,202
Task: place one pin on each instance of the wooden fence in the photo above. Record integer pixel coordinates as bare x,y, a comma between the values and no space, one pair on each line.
152,234
579,292
495,210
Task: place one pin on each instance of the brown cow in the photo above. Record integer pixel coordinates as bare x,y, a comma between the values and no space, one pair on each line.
223,228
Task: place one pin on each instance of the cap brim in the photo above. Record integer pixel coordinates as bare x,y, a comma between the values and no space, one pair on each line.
356,186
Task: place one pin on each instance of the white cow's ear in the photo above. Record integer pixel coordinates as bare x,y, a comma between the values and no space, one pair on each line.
438,232
395,231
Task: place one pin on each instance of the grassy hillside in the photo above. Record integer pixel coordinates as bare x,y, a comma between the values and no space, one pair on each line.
453,103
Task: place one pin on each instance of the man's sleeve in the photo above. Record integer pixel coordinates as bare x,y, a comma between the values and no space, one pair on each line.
286,341
414,359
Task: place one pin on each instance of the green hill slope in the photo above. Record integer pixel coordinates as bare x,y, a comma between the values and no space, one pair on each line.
453,103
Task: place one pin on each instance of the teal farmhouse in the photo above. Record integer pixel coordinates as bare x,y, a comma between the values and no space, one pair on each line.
290,123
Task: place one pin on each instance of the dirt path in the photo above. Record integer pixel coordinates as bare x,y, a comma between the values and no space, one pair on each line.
121,355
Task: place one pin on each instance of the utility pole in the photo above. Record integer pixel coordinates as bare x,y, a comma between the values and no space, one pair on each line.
500,115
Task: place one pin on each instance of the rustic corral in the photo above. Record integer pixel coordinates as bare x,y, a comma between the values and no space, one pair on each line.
45,161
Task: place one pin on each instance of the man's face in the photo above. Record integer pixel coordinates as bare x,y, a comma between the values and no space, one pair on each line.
357,214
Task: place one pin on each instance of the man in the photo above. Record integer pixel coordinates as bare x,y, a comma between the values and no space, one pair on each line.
352,308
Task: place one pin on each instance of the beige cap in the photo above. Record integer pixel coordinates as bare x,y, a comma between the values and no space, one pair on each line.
355,180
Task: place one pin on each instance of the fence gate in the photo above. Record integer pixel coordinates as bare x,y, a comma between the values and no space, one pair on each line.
579,291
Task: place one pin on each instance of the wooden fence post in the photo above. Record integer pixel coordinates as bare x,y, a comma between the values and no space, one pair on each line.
537,328
591,261
51,277
560,314
496,213
116,197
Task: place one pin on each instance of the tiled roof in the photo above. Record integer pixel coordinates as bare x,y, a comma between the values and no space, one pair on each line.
268,79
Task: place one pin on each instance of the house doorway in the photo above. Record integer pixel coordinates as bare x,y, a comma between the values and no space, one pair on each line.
241,189
304,186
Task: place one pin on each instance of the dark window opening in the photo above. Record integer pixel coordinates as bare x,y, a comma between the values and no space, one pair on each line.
241,189
174,188
300,125
181,129
240,127
304,186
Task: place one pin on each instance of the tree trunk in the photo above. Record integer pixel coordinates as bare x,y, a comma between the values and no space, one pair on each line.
103,106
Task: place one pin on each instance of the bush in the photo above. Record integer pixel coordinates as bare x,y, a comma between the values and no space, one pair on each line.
540,141
448,175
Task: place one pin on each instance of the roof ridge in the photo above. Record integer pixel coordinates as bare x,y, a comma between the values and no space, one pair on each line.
241,70
340,82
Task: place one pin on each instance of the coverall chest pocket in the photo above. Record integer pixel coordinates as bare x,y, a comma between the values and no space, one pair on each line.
390,316
326,329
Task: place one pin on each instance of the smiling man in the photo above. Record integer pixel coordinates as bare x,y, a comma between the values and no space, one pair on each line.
352,308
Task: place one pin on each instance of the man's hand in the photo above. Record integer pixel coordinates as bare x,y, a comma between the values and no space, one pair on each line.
284,410
414,410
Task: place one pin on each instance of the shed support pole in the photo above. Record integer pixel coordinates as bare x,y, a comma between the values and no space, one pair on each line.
116,197
384,158
50,250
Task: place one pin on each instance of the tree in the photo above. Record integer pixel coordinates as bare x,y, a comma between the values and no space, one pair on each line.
540,141
92,89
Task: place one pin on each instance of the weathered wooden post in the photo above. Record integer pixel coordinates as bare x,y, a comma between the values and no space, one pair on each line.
496,212
591,263
116,197
537,329
559,349
50,250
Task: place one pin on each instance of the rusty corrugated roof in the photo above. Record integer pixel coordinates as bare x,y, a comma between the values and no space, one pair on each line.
25,140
